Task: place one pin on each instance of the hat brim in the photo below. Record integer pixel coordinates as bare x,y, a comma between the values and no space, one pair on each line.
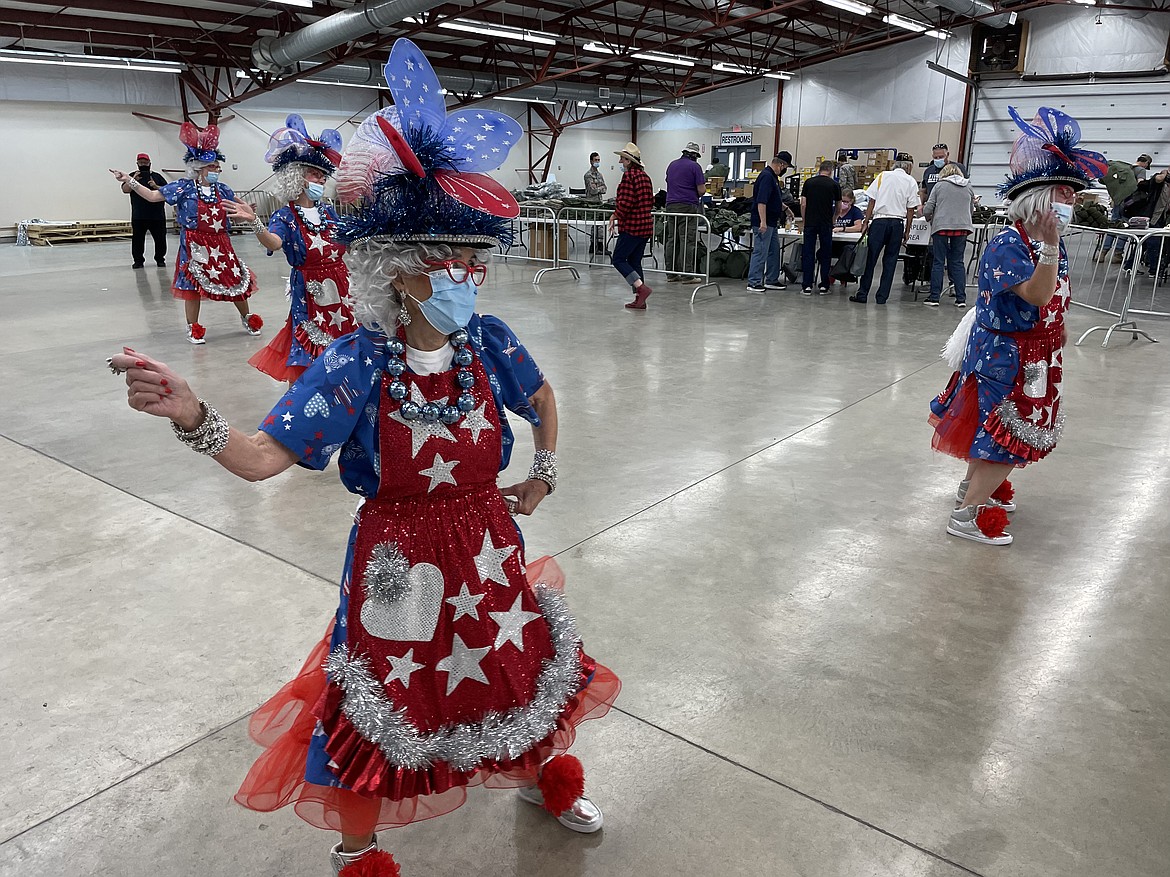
1013,190
634,158
475,241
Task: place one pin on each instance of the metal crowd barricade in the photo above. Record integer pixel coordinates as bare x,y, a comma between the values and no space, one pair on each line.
537,236
586,235
1109,287
677,237
266,205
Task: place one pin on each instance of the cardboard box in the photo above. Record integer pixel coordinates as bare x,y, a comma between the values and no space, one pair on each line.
749,190
715,185
737,193
540,240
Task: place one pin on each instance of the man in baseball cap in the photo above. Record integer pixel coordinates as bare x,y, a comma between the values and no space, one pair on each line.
147,216
685,186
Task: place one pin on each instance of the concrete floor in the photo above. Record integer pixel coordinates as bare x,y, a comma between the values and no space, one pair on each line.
818,681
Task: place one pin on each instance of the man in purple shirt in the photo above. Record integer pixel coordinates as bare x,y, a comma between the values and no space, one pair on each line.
685,185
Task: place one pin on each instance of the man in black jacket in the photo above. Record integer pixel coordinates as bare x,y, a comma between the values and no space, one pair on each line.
1156,205
147,216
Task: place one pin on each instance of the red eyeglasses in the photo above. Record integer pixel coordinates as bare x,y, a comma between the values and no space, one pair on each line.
460,271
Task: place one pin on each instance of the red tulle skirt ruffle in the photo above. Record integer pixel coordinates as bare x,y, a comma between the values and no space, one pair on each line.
954,430
284,726
272,358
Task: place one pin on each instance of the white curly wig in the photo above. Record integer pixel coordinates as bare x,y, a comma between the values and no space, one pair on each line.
288,183
374,266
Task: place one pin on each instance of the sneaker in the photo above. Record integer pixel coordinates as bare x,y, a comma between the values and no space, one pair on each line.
251,323
673,278
757,289
776,285
931,302
136,265
824,290
985,524
584,816
806,291
195,333
960,304
1003,496
162,263
857,299
1118,257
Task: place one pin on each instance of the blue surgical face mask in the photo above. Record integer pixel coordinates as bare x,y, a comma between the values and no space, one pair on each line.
1064,215
315,191
596,164
939,162
451,304
212,177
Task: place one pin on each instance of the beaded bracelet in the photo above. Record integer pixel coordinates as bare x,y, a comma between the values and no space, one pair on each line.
210,437
544,468
1048,259
258,227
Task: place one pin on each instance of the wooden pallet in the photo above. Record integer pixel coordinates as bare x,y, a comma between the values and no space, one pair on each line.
87,230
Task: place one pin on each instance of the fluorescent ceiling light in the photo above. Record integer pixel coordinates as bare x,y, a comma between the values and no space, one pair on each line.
650,109
672,60
103,62
723,67
850,6
906,23
599,49
939,34
502,31
304,4
525,100
601,106
1086,2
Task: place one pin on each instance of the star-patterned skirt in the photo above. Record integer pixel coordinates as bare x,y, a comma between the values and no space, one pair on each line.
208,268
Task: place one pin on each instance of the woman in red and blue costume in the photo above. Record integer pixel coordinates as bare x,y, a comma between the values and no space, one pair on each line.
453,660
305,230
207,267
1002,407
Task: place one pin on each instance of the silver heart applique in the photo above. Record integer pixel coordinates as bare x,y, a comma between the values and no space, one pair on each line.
324,292
414,617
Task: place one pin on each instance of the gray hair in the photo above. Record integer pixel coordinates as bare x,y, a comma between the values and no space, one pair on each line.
907,166
1031,204
375,266
288,183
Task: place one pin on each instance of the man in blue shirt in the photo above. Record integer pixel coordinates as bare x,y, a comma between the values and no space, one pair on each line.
685,186
770,201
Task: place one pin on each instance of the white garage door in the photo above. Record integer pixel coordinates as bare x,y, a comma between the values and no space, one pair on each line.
1119,118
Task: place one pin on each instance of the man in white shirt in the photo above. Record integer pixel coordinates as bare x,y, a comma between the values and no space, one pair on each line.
893,201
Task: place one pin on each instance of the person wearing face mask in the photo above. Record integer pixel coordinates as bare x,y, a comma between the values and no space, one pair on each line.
147,216
305,229
207,267
453,660
1002,407
595,189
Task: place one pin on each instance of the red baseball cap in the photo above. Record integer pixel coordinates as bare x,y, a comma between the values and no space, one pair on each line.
143,155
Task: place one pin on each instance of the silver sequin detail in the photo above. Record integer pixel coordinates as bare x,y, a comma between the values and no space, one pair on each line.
316,334
498,735
387,575
212,287
1036,379
1041,438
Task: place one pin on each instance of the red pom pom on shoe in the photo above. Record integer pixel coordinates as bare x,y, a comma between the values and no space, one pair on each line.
379,863
197,331
562,782
255,323
992,521
1005,492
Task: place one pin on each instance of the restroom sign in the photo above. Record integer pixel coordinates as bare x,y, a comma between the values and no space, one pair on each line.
735,138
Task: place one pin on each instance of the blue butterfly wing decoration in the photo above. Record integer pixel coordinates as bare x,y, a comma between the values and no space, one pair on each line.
480,139
417,93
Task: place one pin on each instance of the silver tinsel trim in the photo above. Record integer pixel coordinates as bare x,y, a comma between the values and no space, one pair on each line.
387,575
316,334
1039,437
211,287
498,735
1036,379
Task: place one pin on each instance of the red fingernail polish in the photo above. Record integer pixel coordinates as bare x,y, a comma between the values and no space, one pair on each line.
140,363
164,382
168,391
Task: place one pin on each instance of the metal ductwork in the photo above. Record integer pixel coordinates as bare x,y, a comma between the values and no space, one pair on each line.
282,54
976,8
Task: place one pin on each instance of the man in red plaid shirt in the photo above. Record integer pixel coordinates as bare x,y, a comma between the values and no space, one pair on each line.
635,197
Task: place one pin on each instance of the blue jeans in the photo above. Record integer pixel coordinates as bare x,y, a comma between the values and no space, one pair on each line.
821,235
627,256
1112,240
948,251
885,237
765,257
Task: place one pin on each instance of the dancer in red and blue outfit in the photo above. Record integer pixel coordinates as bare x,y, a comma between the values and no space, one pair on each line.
453,660
1002,407
207,267
305,229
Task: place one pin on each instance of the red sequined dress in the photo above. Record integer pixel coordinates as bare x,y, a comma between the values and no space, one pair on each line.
454,662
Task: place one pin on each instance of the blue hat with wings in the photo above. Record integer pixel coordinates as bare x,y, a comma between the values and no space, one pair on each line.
416,173
293,145
1046,153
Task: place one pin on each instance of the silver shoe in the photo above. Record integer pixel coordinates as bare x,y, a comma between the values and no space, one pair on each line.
584,816
247,328
340,860
963,524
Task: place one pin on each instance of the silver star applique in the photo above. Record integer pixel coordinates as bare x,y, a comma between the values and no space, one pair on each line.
317,242
465,603
512,624
462,663
337,318
402,668
490,561
476,421
440,472
420,430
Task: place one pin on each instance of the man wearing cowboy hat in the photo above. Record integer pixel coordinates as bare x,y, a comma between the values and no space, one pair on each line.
685,185
635,198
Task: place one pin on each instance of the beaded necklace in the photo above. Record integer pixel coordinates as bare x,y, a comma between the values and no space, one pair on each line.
432,411
315,227
213,198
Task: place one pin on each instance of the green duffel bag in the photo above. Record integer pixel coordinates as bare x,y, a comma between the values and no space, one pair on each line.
719,263
736,266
